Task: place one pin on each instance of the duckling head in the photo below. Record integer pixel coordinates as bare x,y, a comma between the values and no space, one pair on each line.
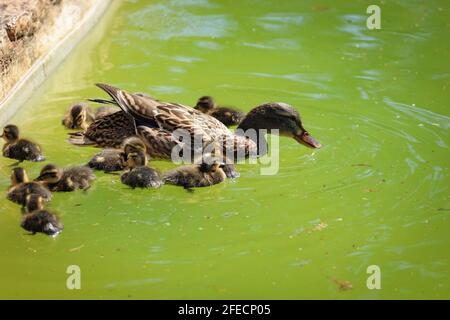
136,159
281,116
205,104
34,202
78,113
214,169
19,175
10,133
50,174
133,145
217,171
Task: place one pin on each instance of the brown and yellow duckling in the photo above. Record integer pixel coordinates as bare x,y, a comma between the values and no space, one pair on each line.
38,219
110,160
139,175
194,176
18,148
228,116
21,187
66,180
78,116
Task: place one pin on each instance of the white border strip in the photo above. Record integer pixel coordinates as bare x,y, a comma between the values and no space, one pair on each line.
47,63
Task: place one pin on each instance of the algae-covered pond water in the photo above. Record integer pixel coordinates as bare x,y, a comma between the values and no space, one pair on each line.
375,194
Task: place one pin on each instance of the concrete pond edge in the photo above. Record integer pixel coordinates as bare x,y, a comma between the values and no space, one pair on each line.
48,62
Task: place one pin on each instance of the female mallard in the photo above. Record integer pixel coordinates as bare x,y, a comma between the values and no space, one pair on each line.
194,176
139,175
38,219
66,180
228,116
110,160
21,187
18,148
159,124
78,116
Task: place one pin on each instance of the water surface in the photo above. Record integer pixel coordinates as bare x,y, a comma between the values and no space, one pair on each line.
375,194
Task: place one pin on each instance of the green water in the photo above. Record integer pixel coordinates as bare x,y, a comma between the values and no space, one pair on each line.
378,100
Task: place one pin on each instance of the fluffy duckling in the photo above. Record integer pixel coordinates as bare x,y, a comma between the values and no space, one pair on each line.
66,180
19,149
192,176
105,111
110,160
228,116
140,176
38,219
21,187
78,116
230,171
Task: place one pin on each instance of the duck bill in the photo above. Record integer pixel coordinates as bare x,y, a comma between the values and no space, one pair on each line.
308,140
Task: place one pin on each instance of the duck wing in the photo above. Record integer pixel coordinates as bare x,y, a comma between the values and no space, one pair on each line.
168,116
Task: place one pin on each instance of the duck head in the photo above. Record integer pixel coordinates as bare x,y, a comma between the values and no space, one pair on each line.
34,202
136,159
10,133
78,114
205,104
281,116
214,169
50,174
133,145
19,175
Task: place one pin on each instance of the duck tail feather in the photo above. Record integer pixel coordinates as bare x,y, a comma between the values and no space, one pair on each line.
103,101
78,139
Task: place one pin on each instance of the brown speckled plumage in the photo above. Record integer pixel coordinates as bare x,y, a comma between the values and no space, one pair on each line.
194,176
106,132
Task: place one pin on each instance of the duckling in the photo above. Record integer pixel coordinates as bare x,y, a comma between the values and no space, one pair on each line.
66,180
21,187
38,219
192,176
78,116
228,116
105,111
20,149
230,171
110,160
140,176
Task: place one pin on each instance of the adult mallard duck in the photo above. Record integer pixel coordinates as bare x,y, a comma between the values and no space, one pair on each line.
18,148
158,123
228,116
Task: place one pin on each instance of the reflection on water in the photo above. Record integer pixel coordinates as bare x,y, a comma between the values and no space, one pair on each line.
376,193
